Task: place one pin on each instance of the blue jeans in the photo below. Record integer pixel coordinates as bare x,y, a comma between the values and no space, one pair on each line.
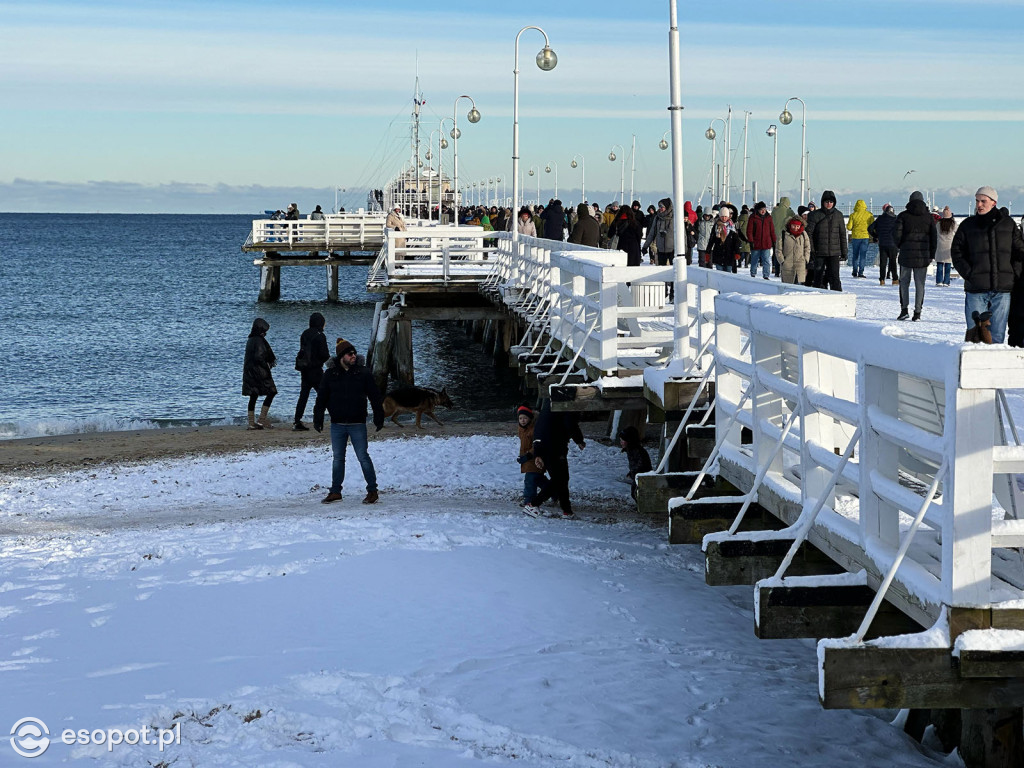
533,483
340,435
764,258
722,268
858,255
942,271
989,301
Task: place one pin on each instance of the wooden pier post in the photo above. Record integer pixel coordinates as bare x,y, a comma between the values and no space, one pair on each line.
270,283
401,351
332,282
382,344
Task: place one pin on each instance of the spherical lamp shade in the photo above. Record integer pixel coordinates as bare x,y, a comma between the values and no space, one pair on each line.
444,143
531,172
710,134
547,169
474,115
456,133
573,164
546,59
663,144
611,156
786,117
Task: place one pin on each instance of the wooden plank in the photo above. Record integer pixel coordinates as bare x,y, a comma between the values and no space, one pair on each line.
826,610
870,677
739,560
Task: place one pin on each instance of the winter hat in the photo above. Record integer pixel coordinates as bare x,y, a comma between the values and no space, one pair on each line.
342,347
946,213
989,193
802,209
524,410
761,206
916,196
828,196
724,212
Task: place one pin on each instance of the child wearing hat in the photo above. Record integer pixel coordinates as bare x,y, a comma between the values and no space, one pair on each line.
534,480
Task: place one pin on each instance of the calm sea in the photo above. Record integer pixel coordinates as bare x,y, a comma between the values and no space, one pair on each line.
129,321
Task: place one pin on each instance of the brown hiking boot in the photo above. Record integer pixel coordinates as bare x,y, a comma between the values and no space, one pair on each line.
330,497
371,497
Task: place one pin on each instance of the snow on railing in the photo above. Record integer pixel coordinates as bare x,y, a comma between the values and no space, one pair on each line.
921,415
349,231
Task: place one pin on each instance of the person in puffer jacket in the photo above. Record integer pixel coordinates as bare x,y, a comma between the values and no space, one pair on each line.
917,240
860,220
883,229
705,228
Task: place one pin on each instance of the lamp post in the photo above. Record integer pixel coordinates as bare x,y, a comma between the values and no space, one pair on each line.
535,171
583,175
337,189
710,135
442,145
546,60
786,118
474,117
622,171
773,132
547,169
681,347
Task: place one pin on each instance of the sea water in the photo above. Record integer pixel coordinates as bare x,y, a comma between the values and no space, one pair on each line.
132,321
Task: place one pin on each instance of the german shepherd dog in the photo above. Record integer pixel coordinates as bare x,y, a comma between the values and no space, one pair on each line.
418,400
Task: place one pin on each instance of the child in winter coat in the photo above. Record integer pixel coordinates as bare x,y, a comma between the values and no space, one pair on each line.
638,457
796,252
534,480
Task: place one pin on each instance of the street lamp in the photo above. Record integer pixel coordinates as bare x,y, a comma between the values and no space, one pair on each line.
583,175
710,135
534,168
786,118
773,132
622,171
546,60
547,169
663,144
474,117
442,145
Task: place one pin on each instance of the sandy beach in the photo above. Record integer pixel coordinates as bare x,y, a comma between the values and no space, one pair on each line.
33,455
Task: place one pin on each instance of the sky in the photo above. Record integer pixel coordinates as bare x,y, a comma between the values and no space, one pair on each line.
231,106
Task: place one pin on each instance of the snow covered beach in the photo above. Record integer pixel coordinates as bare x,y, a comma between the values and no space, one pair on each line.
212,596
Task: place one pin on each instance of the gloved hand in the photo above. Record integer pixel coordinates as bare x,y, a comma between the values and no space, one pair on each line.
379,425
318,425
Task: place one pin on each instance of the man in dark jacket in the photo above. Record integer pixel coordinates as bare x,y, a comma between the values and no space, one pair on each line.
760,233
883,229
916,239
827,230
554,221
310,361
551,454
587,231
988,253
344,389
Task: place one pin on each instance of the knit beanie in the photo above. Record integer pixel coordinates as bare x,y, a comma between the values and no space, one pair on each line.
524,410
342,347
988,192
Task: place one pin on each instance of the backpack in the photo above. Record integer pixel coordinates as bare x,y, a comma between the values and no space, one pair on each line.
302,359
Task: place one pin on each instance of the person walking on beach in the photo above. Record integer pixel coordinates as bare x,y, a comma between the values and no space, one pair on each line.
945,229
916,240
883,229
860,220
346,386
257,380
827,231
313,353
534,480
637,456
551,454
988,253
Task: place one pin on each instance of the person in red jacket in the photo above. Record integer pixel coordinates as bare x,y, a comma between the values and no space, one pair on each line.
761,234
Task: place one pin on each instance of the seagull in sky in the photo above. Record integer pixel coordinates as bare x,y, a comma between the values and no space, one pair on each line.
908,173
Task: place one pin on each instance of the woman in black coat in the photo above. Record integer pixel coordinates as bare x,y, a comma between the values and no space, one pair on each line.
628,231
256,377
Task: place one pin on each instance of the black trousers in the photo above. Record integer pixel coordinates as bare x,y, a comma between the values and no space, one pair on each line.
558,470
823,272
887,262
309,383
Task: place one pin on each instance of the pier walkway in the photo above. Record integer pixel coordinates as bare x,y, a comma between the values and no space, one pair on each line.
864,483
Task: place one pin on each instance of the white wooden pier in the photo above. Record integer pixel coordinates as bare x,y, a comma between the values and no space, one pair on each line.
864,484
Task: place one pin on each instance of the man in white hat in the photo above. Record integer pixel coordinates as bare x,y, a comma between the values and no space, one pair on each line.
988,253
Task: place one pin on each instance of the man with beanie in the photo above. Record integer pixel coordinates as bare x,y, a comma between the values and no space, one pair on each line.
988,253
344,389
827,230
916,239
309,362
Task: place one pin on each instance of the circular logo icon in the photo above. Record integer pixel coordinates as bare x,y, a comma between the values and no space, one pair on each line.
30,737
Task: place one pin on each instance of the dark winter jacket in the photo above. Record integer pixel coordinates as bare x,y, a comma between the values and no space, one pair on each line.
554,222
724,252
761,231
587,231
915,235
883,229
259,359
661,231
988,252
344,392
313,350
554,431
827,230
628,232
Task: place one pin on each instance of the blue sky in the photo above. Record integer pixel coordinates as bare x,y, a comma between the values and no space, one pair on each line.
222,94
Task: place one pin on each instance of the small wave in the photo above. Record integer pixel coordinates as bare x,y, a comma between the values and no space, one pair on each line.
11,430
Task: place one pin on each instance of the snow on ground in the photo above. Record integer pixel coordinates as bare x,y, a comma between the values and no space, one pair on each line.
217,598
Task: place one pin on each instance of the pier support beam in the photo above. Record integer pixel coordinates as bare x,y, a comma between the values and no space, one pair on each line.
270,283
332,282
402,367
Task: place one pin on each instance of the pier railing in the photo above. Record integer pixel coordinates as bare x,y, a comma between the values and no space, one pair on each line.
342,231
888,448
434,255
